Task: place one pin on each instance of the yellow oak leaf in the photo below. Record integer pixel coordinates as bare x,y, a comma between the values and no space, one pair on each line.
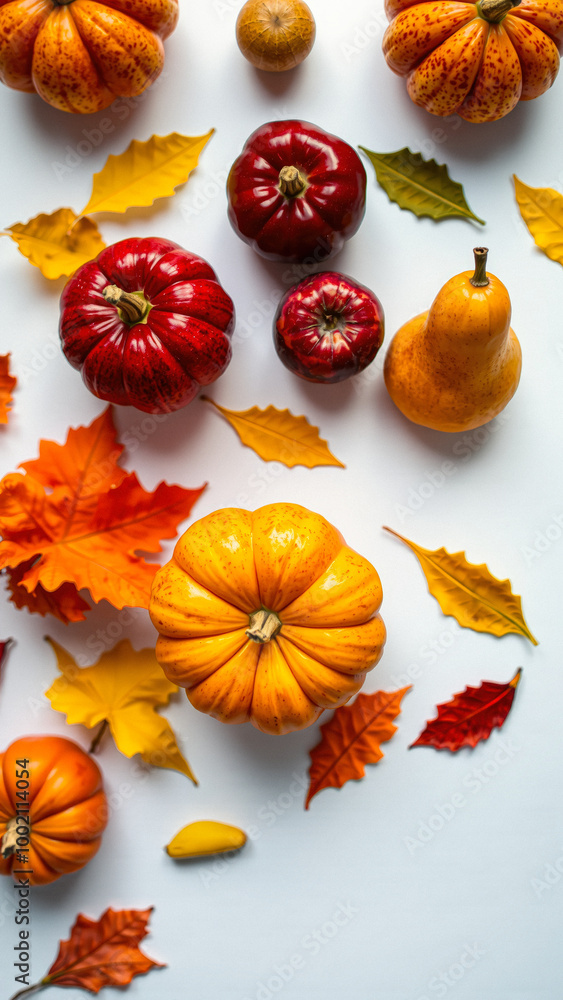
470,593
122,690
145,171
279,436
542,211
58,243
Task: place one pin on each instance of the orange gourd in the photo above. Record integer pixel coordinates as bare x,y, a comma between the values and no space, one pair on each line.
457,365
79,55
59,790
267,616
476,59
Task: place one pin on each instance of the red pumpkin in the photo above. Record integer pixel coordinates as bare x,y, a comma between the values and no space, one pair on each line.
476,59
328,327
147,323
53,809
296,191
79,55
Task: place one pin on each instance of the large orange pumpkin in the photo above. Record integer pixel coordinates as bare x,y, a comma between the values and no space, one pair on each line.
267,617
476,59
53,808
79,55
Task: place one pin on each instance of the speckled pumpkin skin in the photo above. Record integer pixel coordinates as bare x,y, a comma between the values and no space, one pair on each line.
456,366
455,60
79,55
67,807
291,561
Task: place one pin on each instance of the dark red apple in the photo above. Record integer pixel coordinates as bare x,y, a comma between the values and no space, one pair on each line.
328,327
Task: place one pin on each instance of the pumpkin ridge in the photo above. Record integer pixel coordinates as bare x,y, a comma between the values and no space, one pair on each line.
68,7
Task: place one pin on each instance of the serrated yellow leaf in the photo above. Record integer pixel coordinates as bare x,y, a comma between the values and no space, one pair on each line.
279,436
123,690
542,211
470,593
59,243
145,171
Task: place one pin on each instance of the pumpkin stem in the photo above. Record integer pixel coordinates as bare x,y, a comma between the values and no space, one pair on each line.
131,306
495,10
291,182
480,279
9,840
264,625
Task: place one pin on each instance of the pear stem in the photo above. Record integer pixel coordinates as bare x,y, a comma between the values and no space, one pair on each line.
480,279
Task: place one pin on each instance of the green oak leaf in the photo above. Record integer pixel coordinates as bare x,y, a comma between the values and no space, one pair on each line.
421,186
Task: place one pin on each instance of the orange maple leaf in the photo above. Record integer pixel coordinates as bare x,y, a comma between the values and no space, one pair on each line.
65,603
7,383
77,518
351,739
102,952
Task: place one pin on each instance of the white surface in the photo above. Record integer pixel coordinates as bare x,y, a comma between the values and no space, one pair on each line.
223,928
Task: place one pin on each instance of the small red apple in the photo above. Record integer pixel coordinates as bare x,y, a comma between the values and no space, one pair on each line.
328,327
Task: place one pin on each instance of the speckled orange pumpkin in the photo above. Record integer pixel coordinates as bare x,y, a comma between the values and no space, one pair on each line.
476,59
79,55
53,809
267,617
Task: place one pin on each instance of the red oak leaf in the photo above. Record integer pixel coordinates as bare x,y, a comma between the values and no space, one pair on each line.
470,716
100,953
351,739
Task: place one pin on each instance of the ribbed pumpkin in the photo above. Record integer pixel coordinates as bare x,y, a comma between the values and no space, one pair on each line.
267,617
79,55
476,59
60,791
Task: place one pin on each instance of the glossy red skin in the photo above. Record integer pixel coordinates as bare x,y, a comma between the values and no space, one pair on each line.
314,224
300,334
157,365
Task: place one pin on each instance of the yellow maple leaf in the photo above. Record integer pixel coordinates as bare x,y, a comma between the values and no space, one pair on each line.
279,436
121,690
470,593
145,171
542,211
58,243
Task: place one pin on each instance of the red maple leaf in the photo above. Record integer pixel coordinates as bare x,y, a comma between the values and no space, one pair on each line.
470,716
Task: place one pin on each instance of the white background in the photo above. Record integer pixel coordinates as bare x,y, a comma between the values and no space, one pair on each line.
481,881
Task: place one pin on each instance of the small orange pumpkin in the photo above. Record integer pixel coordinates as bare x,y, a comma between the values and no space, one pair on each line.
476,59
267,617
53,809
79,55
